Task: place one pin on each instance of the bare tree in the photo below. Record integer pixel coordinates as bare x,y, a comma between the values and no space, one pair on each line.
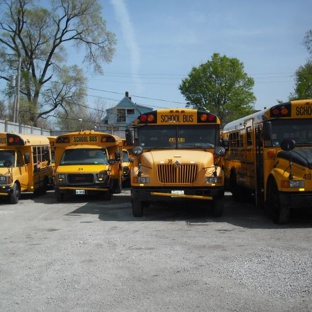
38,37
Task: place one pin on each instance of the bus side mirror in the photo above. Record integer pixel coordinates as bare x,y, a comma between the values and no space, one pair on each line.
225,143
27,158
287,145
219,151
7,163
137,150
111,161
267,131
129,137
117,156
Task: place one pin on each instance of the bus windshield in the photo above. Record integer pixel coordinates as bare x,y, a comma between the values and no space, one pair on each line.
6,156
178,137
298,130
84,156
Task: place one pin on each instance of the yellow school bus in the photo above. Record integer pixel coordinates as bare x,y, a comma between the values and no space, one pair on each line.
24,164
88,162
52,140
126,164
176,157
270,157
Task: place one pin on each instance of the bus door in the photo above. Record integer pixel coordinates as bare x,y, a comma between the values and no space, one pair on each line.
250,155
23,170
259,190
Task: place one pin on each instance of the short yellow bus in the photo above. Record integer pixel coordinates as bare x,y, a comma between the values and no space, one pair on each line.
270,156
88,162
24,164
176,157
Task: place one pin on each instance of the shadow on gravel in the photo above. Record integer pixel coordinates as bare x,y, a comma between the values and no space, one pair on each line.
244,215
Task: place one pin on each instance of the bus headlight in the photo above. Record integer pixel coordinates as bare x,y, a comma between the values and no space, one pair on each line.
5,179
213,180
143,180
61,177
292,184
102,175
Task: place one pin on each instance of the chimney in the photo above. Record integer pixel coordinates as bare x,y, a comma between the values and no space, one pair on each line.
127,94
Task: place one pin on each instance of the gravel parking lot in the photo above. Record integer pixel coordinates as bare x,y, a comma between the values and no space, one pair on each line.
86,254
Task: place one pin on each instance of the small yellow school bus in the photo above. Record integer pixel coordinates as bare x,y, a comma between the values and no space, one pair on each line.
88,162
24,164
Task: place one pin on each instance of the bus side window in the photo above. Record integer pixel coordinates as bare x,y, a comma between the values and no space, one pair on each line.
27,158
19,159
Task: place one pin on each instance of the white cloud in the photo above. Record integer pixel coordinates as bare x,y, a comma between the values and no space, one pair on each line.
128,33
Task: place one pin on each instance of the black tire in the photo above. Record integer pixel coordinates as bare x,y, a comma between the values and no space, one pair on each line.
59,196
15,194
137,208
280,214
107,195
217,207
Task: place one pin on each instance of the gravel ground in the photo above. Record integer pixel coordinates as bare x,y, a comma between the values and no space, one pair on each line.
91,255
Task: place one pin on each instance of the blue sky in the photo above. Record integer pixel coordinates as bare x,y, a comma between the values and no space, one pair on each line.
160,41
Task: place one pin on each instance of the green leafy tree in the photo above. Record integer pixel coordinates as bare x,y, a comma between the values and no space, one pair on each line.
38,37
303,82
220,86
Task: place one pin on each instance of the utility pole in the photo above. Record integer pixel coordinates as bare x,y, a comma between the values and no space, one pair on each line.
18,88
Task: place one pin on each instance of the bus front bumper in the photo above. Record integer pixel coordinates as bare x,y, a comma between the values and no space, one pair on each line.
296,200
173,194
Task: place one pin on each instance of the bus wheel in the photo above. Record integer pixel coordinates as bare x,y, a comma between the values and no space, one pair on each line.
108,195
59,195
280,214
217,207
137,208
14,196
234,188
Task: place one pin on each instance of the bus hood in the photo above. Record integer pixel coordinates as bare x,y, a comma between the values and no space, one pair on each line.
198,157
301,157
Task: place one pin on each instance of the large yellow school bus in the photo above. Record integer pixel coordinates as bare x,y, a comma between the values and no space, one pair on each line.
88,162
176,157
24,164
270,156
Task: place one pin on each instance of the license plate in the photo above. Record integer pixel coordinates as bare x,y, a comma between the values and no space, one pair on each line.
80,192
177,192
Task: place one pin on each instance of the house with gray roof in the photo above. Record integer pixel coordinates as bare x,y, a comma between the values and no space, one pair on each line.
117,118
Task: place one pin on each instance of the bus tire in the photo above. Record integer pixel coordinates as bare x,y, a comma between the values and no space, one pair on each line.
15,194
137,208
59,196
107,195
217,206
280,214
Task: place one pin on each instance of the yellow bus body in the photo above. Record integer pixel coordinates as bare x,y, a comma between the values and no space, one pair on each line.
256,163
175,159
88,162
24,164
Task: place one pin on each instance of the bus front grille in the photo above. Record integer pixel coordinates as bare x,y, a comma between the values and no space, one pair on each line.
172,173
80,178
